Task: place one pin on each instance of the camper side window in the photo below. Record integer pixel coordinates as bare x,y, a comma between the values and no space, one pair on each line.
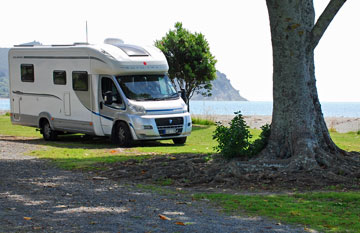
80,81
27,73
59,77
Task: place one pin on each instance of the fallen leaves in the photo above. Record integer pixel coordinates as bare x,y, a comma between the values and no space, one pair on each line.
163,217
180,223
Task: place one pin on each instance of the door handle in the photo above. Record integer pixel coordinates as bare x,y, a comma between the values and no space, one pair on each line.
101,105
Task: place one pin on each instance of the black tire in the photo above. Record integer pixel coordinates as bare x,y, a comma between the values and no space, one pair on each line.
179,141
123,135
48,133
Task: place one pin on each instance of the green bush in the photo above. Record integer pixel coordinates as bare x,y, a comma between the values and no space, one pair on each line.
262,141
234,141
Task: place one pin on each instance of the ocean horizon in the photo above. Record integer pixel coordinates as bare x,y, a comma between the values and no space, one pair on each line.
251,108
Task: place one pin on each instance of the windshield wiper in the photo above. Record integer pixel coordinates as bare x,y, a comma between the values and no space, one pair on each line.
156,98
174,96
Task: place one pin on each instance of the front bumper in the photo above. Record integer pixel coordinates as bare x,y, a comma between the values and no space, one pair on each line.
155,127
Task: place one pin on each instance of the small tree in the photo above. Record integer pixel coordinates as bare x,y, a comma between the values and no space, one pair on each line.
191,65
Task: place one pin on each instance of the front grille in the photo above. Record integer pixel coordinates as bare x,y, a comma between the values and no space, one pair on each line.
169,121
170,126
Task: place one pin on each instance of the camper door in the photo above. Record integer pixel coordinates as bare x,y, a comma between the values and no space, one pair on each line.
110,102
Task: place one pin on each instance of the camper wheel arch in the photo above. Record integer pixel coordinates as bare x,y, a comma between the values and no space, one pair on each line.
46,127
48,133
44,116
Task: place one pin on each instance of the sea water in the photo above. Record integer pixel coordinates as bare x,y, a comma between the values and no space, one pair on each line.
4,104
248,108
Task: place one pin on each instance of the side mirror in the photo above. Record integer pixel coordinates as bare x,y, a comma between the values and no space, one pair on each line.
108,98
183,95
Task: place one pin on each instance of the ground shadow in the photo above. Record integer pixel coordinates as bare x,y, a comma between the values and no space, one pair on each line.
91,142
83,141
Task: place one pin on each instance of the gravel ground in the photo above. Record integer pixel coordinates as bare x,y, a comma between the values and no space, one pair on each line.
37,197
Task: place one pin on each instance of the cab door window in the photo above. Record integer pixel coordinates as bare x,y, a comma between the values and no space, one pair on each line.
108,89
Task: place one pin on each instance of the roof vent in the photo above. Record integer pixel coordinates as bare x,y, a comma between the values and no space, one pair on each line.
113,41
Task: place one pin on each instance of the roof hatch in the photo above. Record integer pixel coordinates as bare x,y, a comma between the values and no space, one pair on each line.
130,50
133,50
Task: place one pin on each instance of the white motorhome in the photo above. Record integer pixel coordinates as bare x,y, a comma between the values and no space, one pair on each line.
113,89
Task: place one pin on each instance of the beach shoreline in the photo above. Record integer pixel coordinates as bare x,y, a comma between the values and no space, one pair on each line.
338,124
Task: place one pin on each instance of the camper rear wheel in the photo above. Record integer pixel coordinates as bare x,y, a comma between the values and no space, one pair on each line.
47,132
123,135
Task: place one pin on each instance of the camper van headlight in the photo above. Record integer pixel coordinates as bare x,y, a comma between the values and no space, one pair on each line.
137,109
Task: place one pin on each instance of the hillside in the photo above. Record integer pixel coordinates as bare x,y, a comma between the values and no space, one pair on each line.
4,73
222,88
222,91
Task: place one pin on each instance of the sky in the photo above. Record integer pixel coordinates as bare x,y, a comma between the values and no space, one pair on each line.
237,31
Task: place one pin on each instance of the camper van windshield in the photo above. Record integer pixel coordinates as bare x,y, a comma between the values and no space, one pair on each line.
147,87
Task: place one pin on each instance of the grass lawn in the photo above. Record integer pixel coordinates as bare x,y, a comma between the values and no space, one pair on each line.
77,152
326,212
6,128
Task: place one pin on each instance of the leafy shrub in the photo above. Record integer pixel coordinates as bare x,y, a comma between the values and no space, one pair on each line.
234,141
262,141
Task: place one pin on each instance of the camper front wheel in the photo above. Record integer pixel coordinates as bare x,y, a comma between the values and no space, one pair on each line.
123,135
47,132
179,141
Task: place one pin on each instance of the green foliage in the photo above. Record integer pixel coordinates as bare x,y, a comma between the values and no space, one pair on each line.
235,140
191,64
262,141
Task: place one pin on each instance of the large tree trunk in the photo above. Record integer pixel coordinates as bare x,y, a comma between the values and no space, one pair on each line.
298,127
299,137
298,130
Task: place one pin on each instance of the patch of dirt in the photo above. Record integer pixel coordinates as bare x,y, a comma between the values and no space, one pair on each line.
201,171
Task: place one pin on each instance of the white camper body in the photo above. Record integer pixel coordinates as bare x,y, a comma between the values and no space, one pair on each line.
116,90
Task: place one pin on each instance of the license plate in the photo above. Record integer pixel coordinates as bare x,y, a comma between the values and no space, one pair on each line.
170,131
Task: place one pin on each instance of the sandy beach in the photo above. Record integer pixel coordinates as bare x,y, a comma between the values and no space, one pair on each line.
340,124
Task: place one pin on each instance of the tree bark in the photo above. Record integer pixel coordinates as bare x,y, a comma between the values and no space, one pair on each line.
298,131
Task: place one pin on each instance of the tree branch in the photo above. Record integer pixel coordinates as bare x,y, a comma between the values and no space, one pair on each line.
324,21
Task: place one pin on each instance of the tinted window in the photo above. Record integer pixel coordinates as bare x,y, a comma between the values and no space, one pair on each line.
59,77
27,72
80,81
